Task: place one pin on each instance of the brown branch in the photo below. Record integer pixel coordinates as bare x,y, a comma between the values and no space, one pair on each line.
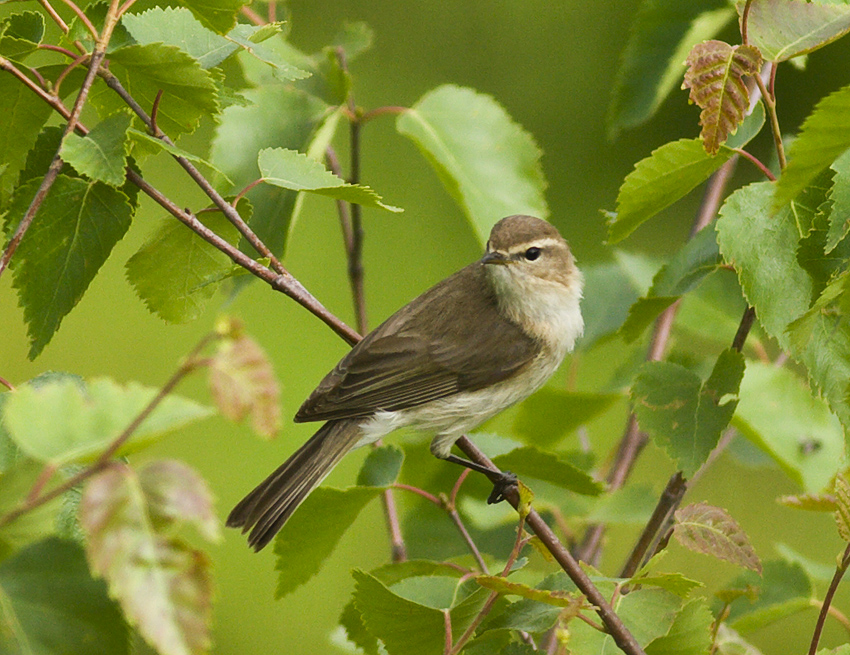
840,570
615,627
36,499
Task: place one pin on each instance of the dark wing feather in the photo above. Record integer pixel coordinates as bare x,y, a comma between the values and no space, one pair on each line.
461,343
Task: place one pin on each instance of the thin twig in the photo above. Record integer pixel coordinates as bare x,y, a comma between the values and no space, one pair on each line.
252,15
54,15
615,627
83,18
7,384
35,500
827,599
745,16
757,162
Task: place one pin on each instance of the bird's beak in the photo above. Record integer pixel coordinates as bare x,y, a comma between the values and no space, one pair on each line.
495,257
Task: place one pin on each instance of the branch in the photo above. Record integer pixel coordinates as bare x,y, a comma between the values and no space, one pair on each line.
615,627
36,499
827,600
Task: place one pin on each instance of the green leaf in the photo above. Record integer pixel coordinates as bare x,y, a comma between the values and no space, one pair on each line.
779,414
609,290
839,217
51,604
698,258
15,483
293,170
102,154
352,622
842,509
163,585
715,77
404,626
488,163
668,174
660,39
763,250
278,116
710,530
23,115
630,505
551,414
647,613
243,36
564,600
176,273
188,91
783,590
783,29
825,135
158,145
815,570
76,227
531,462
62,422
690,633
684,415
218,15
748,130
20,34
313,532
381,467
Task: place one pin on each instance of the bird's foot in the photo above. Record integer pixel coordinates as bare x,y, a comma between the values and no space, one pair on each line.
502,482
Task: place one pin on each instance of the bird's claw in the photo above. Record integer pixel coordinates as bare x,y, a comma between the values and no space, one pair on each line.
501,483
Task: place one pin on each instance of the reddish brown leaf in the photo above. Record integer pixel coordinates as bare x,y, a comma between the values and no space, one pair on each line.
163,585
710,530
243,383
715,77
811,502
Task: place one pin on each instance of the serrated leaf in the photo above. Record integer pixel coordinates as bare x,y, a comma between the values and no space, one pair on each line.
661,36
809,502
20,34
311,535
158,144
76,228
102,154
243,37
825,135
675,583
779,414
504,586
698,258
842,509
381,467
243,383
783,590
293,170
488,163
278,116
163,585
352,622
711,531
839,196
406,627
715,76
176,273
551,414
782,29
668,174
690,633
23,115
684,415
532,462
189,92
51,604
62,421
218,15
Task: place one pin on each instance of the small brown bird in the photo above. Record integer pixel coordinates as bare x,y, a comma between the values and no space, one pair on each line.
479,341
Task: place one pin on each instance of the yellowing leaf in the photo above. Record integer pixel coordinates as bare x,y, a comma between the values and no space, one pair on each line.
842,509
243,383
711,531
715,77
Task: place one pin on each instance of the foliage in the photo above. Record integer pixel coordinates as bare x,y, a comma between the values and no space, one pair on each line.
93,548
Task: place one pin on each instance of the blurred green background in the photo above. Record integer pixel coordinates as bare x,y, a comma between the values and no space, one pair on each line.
551,65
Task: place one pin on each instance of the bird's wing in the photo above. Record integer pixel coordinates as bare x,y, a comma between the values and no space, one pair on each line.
423,353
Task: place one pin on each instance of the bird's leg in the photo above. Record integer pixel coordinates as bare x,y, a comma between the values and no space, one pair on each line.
502,480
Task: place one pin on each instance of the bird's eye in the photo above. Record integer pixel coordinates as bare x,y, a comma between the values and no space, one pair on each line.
532,253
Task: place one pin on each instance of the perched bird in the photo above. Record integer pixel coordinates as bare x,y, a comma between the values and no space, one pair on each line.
477,342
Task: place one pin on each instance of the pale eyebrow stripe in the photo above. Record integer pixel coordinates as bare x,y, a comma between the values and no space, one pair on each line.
539,243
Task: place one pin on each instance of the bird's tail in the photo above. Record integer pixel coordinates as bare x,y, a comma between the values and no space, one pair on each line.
269,506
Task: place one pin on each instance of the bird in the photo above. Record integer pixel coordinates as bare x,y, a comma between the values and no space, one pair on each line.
477,342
